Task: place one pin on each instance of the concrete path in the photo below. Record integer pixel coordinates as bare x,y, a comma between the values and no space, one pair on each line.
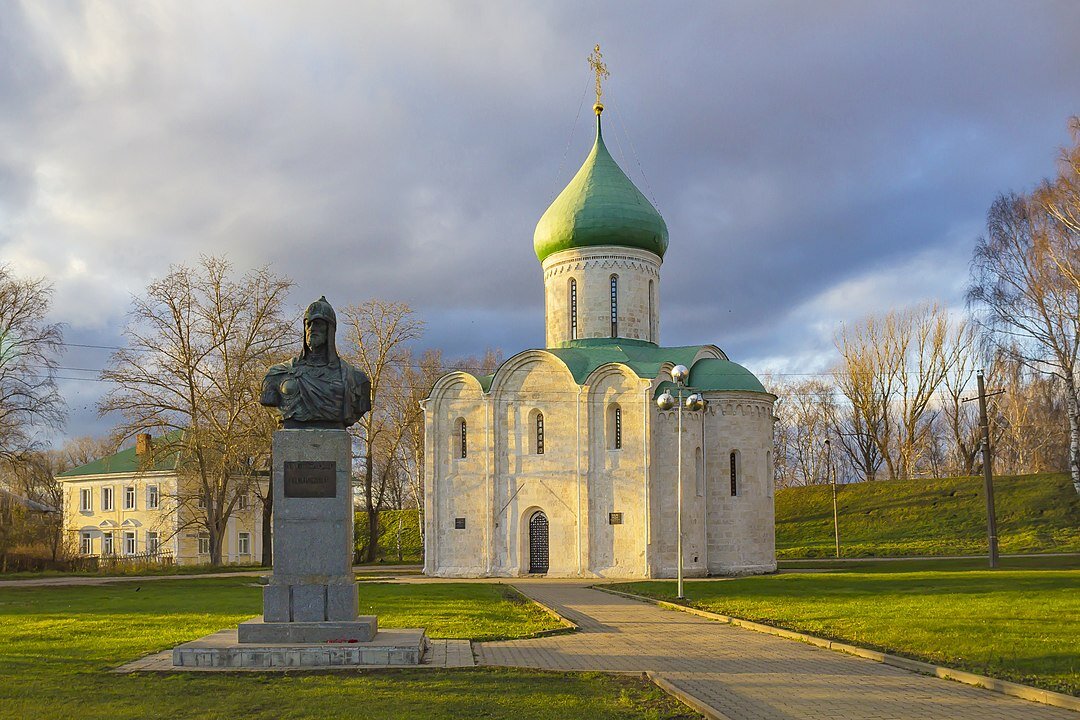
741,674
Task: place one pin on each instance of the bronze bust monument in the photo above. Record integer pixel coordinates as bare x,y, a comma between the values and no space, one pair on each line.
317,389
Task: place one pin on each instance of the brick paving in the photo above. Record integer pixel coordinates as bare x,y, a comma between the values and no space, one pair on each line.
741,674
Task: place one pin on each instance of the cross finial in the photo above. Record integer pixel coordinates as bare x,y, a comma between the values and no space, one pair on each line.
596,62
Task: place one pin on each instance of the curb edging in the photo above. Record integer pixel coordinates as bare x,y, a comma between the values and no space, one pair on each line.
685,698
1024,692
568,626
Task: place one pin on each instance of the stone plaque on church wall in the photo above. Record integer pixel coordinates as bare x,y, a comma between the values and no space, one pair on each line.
311,479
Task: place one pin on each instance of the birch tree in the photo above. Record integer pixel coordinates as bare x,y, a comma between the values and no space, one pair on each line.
1026,300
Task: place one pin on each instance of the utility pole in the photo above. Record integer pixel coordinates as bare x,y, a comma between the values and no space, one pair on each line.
988,474
829,473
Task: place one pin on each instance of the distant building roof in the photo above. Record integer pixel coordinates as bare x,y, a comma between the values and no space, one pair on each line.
127,461
27,502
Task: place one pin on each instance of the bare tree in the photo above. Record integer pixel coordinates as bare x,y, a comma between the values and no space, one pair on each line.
810,410
960,419
199,342
377,335
29,348
1029,306
863,379
891,367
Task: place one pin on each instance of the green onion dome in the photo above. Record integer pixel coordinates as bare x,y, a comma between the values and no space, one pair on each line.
600,206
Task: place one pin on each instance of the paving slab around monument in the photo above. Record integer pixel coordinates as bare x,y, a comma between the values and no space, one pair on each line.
223,650
440,653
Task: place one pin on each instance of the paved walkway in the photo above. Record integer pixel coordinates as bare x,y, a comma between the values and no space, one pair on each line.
741,674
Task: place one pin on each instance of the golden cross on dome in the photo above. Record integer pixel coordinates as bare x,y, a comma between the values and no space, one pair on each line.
596,62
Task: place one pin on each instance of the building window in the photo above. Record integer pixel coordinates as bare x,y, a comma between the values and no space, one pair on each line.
153,542
614,306
243,543
152,497
699,473
770,474
652,314
86,543
202,501
614,427
539,444
463,439
573,309
129,497
242,501
106,498
204,543
106,544
734,472
129,543
86,502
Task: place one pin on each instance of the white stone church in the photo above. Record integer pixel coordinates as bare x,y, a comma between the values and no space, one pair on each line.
561,463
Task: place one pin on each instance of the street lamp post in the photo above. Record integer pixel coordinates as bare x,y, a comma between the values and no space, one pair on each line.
694,402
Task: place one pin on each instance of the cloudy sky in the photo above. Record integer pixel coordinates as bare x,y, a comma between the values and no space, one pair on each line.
814,161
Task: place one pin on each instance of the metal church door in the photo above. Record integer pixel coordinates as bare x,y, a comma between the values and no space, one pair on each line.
538,543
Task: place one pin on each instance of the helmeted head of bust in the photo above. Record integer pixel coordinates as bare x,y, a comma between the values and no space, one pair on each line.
320,327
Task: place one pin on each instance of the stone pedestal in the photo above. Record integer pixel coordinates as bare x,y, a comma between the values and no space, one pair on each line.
310,604
311,596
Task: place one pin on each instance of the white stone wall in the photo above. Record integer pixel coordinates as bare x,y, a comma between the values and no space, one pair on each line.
525,481
723,535
457,487
617,476
592,268
503,481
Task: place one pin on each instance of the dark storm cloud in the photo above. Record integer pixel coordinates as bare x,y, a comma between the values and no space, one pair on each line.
803,155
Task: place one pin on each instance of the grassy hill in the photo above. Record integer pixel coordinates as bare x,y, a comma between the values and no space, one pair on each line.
947,516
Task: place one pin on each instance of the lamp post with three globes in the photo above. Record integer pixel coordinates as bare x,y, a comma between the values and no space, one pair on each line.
694,402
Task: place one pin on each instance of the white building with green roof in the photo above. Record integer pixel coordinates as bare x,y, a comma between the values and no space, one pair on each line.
561,463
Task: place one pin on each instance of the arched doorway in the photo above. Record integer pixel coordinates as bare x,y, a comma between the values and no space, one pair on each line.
538,543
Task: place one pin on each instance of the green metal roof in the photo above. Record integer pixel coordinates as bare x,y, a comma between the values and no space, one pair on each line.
126,461
645,359
715,374
600,206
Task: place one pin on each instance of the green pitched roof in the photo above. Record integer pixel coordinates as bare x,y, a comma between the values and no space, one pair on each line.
600,206
126,461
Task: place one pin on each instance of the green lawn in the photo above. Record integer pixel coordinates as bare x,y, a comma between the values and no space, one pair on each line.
58,644
478,611
947,516
1019,625
869,565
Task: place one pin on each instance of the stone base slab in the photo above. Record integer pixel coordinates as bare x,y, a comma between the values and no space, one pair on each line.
222,650
363,629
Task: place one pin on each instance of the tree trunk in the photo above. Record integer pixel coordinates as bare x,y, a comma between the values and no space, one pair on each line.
373,533
267,524
369,498
1073,409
